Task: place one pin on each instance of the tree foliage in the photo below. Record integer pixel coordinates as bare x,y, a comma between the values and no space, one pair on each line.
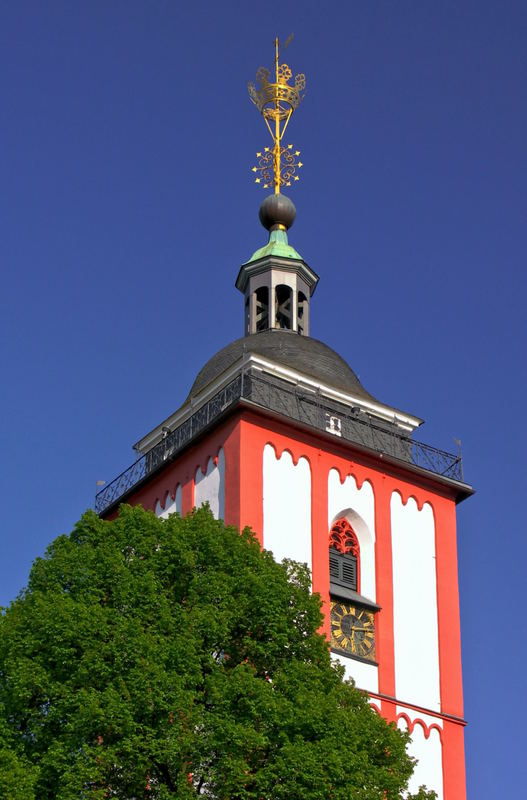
160,659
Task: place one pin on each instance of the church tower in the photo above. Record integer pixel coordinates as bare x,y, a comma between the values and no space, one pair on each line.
278,433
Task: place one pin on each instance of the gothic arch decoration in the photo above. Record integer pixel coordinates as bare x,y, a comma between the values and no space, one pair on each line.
344,556
343,538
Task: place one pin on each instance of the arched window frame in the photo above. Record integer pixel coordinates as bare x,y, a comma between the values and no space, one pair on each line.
343,539
261,309
283,307
302,313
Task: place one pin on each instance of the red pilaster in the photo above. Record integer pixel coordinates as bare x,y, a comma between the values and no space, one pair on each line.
382,488
319,532
448,608
454,787
187,494
252,442
232,451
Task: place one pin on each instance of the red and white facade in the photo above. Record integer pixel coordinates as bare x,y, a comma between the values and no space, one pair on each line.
289,485
290,482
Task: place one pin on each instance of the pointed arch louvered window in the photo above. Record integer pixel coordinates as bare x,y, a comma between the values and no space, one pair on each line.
344,556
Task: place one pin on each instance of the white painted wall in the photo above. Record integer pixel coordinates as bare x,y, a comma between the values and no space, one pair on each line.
171,506
287,506
429,768
210,487
358,506
366,676
415,603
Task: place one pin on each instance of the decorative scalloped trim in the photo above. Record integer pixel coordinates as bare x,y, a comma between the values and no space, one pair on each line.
166,494
279,452
204,464
163,502
409,494
427,729
351,472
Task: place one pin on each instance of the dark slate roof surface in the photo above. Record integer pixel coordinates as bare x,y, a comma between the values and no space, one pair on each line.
301,353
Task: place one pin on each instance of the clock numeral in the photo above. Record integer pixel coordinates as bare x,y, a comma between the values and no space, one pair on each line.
353,630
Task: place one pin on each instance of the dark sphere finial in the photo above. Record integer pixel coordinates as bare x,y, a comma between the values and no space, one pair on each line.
277,211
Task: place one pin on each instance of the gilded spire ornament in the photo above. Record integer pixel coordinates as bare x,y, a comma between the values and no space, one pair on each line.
277,166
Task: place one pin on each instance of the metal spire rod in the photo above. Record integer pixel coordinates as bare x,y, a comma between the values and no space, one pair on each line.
276,101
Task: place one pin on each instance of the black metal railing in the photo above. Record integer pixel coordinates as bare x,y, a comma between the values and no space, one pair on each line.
295,402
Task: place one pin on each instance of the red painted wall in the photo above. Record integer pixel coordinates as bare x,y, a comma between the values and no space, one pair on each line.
243,438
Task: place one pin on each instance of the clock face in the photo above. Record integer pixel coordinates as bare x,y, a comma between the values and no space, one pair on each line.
352,630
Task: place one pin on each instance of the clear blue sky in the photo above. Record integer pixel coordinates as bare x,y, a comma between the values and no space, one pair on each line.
127,206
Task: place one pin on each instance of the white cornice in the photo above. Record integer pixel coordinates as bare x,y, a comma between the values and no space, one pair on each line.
280,263
406,422
387,413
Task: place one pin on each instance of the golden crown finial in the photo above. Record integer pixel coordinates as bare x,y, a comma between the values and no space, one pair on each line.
276,101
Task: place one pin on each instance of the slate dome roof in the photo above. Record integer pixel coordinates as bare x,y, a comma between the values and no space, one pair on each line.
289,349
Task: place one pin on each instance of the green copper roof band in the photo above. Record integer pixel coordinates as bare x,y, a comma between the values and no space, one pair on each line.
276,246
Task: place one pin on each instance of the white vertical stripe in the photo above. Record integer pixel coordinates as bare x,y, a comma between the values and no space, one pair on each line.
210,487
287,506
358,506
429,768
366,676
415,604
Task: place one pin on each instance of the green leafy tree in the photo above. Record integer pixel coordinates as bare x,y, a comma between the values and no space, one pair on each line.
160,659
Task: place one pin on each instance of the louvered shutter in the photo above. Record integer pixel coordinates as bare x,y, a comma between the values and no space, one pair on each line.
334,565
343,569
